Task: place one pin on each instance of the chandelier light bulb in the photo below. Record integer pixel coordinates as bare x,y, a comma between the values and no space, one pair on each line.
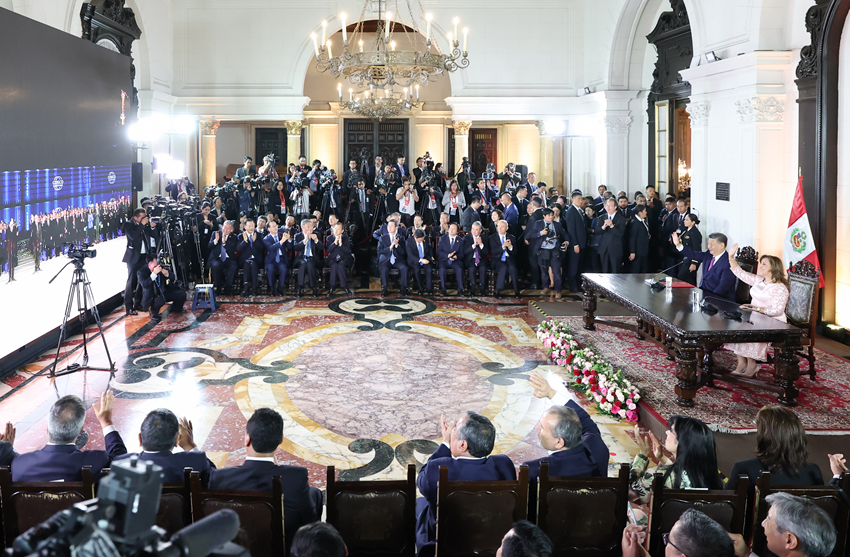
392,44
330,54
344,17
387,29
455,21
417,91
339,90
465,37
315,44
361,45
428,27
324,30
449,35
351,95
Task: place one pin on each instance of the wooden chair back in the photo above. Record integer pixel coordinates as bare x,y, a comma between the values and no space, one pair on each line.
747,257
596,531
28,504
260,514
802,307
175,503
728,508
826,497
473,517
375,518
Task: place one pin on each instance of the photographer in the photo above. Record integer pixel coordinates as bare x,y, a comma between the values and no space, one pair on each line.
177,187
245,196
222,258
373,171
313,180
138,248
251,250
453,202
300,197
351,176
332,192
392,181
268,169
206,226
510,179
158,288
407,198
247,169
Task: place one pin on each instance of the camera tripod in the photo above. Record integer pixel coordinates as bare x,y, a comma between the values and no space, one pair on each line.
81,289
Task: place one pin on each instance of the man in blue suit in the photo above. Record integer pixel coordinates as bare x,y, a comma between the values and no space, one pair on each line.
277,258
465,451
160,433
450,254
577,232
392,254
420,260
717,276
302,504
60,460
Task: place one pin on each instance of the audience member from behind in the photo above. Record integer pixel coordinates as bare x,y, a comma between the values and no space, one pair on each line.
693,535
797,527
60,460
318,539
525,539
781,449
465,451
161,431
302,504
694,465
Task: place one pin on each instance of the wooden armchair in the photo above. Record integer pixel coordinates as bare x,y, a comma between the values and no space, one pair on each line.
826,497
748,258
726,507
802,308
375,518
260,514
473,517
28,504
595,531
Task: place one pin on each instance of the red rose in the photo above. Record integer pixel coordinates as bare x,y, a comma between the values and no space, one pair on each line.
593,380
576,372
593,387
569,358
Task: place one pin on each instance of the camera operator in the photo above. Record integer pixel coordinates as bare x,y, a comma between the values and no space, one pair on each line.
268,169
465,179
247,169
332,192
372,172
313,177
135,255
177,187
222,258
158,288
351,176
417,171
510,179
206,226
392,183
245,197
407,198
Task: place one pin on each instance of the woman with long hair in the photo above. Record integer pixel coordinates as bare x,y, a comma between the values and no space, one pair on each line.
693,464
769,291
781,449
453,202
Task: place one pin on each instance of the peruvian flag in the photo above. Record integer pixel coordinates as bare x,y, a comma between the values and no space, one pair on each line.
799,241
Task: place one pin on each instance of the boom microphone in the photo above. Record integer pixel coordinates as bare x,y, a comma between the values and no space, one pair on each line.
654,283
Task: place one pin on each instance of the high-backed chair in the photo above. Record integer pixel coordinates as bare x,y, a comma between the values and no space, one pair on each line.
28,504
583,516
826,497
802,307
726,507
747,258
473,517
375,518
260,514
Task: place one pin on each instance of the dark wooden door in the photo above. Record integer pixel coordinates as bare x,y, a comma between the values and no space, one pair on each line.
482,149
368,139
270,140
451,165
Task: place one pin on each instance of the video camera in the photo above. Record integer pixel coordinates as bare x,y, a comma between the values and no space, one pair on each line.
490,173
80,251
121,522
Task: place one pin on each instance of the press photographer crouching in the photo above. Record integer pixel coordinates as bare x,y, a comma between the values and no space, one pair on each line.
159,288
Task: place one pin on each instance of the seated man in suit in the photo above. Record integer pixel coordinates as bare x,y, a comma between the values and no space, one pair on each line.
222,260
160,433
340,258
503,258
277,258
639,236
158,288
465,451
450,255
251,250
308,257
420,260
391,255
475,249
302,504
717,276
60,460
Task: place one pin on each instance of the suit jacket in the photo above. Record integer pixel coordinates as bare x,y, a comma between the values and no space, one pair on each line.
256,475
512,216
150,286
576,226
468,217
413,252
490,468
385,252
535,238
610,239
274,246
229,246
719,279
135,236
496,248
469,251
401,170
638,238
808,475
65,462
444,249
174,463
692,239
341,254
317,249
247,250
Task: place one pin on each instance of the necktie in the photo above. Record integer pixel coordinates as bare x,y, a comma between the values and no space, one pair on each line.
158,284
277,256
362,202
504,253
223,251
392,251
421,252
251,242
477,257
710,265
452,244
307,250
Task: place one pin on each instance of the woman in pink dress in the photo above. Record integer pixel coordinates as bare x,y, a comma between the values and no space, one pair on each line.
769,291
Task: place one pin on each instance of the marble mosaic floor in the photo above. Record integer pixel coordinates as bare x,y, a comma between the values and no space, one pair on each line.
360,381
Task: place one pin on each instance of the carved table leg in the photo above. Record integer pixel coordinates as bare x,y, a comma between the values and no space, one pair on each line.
589,307
639,329
786,370
686,373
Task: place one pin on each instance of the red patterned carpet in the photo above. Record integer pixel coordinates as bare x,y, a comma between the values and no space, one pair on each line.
823,404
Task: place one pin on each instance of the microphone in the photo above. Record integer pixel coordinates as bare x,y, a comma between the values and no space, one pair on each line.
654,283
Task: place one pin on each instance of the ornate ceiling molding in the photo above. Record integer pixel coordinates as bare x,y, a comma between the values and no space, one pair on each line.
209,127
809,65
698,112
293,127
461,127
618,124
760,109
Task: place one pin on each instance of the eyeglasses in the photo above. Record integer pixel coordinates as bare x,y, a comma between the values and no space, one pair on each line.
666,539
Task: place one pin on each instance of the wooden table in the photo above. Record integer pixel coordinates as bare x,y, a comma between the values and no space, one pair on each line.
670,319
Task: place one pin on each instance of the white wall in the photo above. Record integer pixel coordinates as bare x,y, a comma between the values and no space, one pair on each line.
842,295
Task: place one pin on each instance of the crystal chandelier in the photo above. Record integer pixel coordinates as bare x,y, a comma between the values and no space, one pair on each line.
381,66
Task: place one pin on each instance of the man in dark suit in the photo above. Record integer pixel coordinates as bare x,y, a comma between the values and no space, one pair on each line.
351,176
223,257
420,259
308,257
599,201
503,258
60,460
392,254
470,214
475,250
340,258
511,214
717,276
547,237
135,257
302,504
158,288
372,171
450,254
610,227
573,216
401,169
277,258
465,451
669,223
638,238
161,431
251,250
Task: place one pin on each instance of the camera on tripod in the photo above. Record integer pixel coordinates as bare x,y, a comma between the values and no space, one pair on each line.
80,251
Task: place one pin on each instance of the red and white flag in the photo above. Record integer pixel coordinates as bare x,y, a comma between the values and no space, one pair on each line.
799,241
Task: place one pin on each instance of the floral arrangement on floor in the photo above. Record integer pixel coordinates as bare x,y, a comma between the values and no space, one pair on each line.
614,394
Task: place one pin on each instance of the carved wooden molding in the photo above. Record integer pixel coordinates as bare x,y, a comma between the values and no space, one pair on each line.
671,21
810,55
294,127
805,269
748,256
462,127
209,127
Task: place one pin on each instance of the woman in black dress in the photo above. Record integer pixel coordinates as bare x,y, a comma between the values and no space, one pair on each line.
781,449
692,238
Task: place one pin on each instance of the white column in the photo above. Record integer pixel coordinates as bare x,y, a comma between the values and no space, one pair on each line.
461,141
293,140
617,152
208,130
